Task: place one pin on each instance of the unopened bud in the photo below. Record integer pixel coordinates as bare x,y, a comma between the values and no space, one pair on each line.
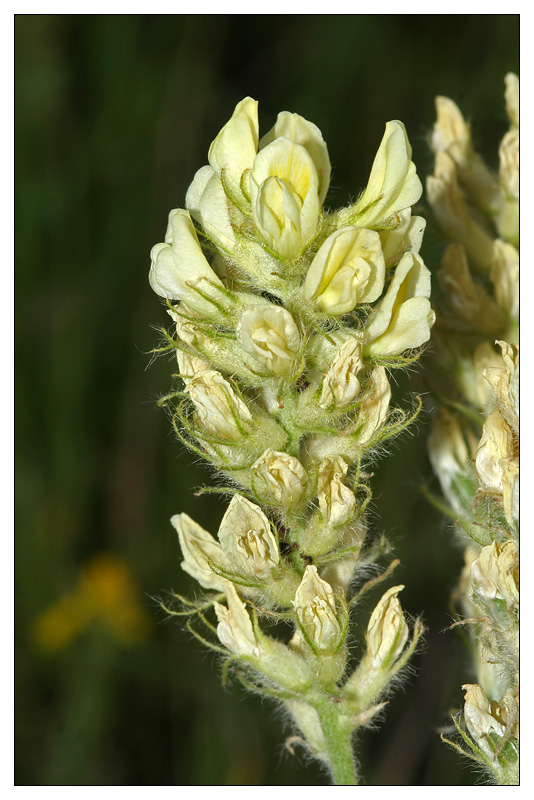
504,274
387,632
374,408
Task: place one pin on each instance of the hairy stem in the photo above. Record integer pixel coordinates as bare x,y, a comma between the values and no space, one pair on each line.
337,737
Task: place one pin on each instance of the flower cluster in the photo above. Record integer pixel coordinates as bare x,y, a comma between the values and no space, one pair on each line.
286,318
474,444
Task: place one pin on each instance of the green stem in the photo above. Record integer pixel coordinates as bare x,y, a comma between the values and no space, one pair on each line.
337,738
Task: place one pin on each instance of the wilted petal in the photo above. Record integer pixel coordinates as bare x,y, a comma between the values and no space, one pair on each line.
315,607
247,538
200,550
235,629
270,335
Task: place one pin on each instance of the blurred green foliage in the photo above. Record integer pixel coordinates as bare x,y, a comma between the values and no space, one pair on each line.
114,114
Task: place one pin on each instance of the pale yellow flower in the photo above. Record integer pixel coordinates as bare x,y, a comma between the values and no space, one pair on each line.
284,194
179,269
348,270
495,573
393,183
233,151
403,318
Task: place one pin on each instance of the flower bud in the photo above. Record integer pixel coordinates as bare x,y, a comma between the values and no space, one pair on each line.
403,318
374,408
387,632
451,212
284,193
451,447
509,163
495,574
219,410
200,549
468,305
478,717
511,97
393,183
233,151
504,274
336,501
315,607
269,334
300,131
452,135
235,629
347,270
341,384
279,479
246,537
180,271
406,235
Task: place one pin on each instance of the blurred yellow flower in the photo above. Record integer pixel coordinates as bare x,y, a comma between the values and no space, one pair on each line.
105,593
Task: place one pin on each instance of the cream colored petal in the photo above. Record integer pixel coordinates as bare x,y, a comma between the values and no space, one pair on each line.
393,183
387,631
209,205
199,549
341,384
315,608
235,629
269,334
347,270
279,479
406,236
299,130
232,153
179,267
219,410
246,537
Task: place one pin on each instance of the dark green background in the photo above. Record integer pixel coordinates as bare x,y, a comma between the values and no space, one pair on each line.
114,114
